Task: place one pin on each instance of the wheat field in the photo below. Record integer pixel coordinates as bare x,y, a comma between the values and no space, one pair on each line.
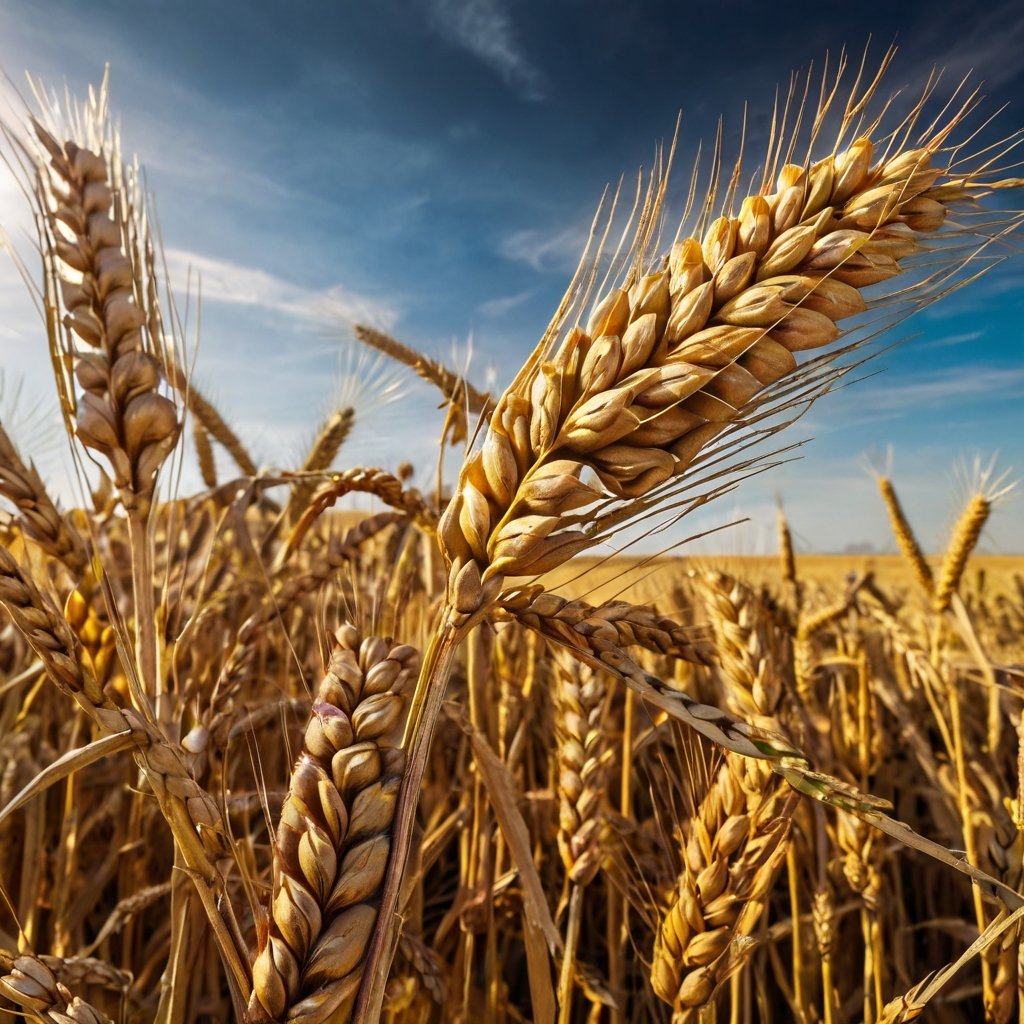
454,756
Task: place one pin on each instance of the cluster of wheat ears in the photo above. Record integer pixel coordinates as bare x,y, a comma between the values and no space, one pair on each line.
263,760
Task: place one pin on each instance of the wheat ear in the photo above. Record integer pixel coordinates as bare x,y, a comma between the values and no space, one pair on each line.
787,560
49,635
29,982
600,422
329,439
619,622
667,361
362,480
204,455
581,744
453,386
582,752
88,242
906,539
742,645
205,413
21,484
732,849
333,841
964,540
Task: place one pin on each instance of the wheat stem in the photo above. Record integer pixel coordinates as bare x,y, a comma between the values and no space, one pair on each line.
423,711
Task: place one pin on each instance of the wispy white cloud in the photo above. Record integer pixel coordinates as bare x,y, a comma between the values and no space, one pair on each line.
986,46
235,284
950,341
543,250
956,384
869,403
505,304
484,29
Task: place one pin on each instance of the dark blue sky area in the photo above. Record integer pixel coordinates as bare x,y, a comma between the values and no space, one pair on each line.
433,166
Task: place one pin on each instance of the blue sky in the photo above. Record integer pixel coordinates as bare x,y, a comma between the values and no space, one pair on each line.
432,166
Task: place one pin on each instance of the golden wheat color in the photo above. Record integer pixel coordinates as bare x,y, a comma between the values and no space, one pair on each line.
231,787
